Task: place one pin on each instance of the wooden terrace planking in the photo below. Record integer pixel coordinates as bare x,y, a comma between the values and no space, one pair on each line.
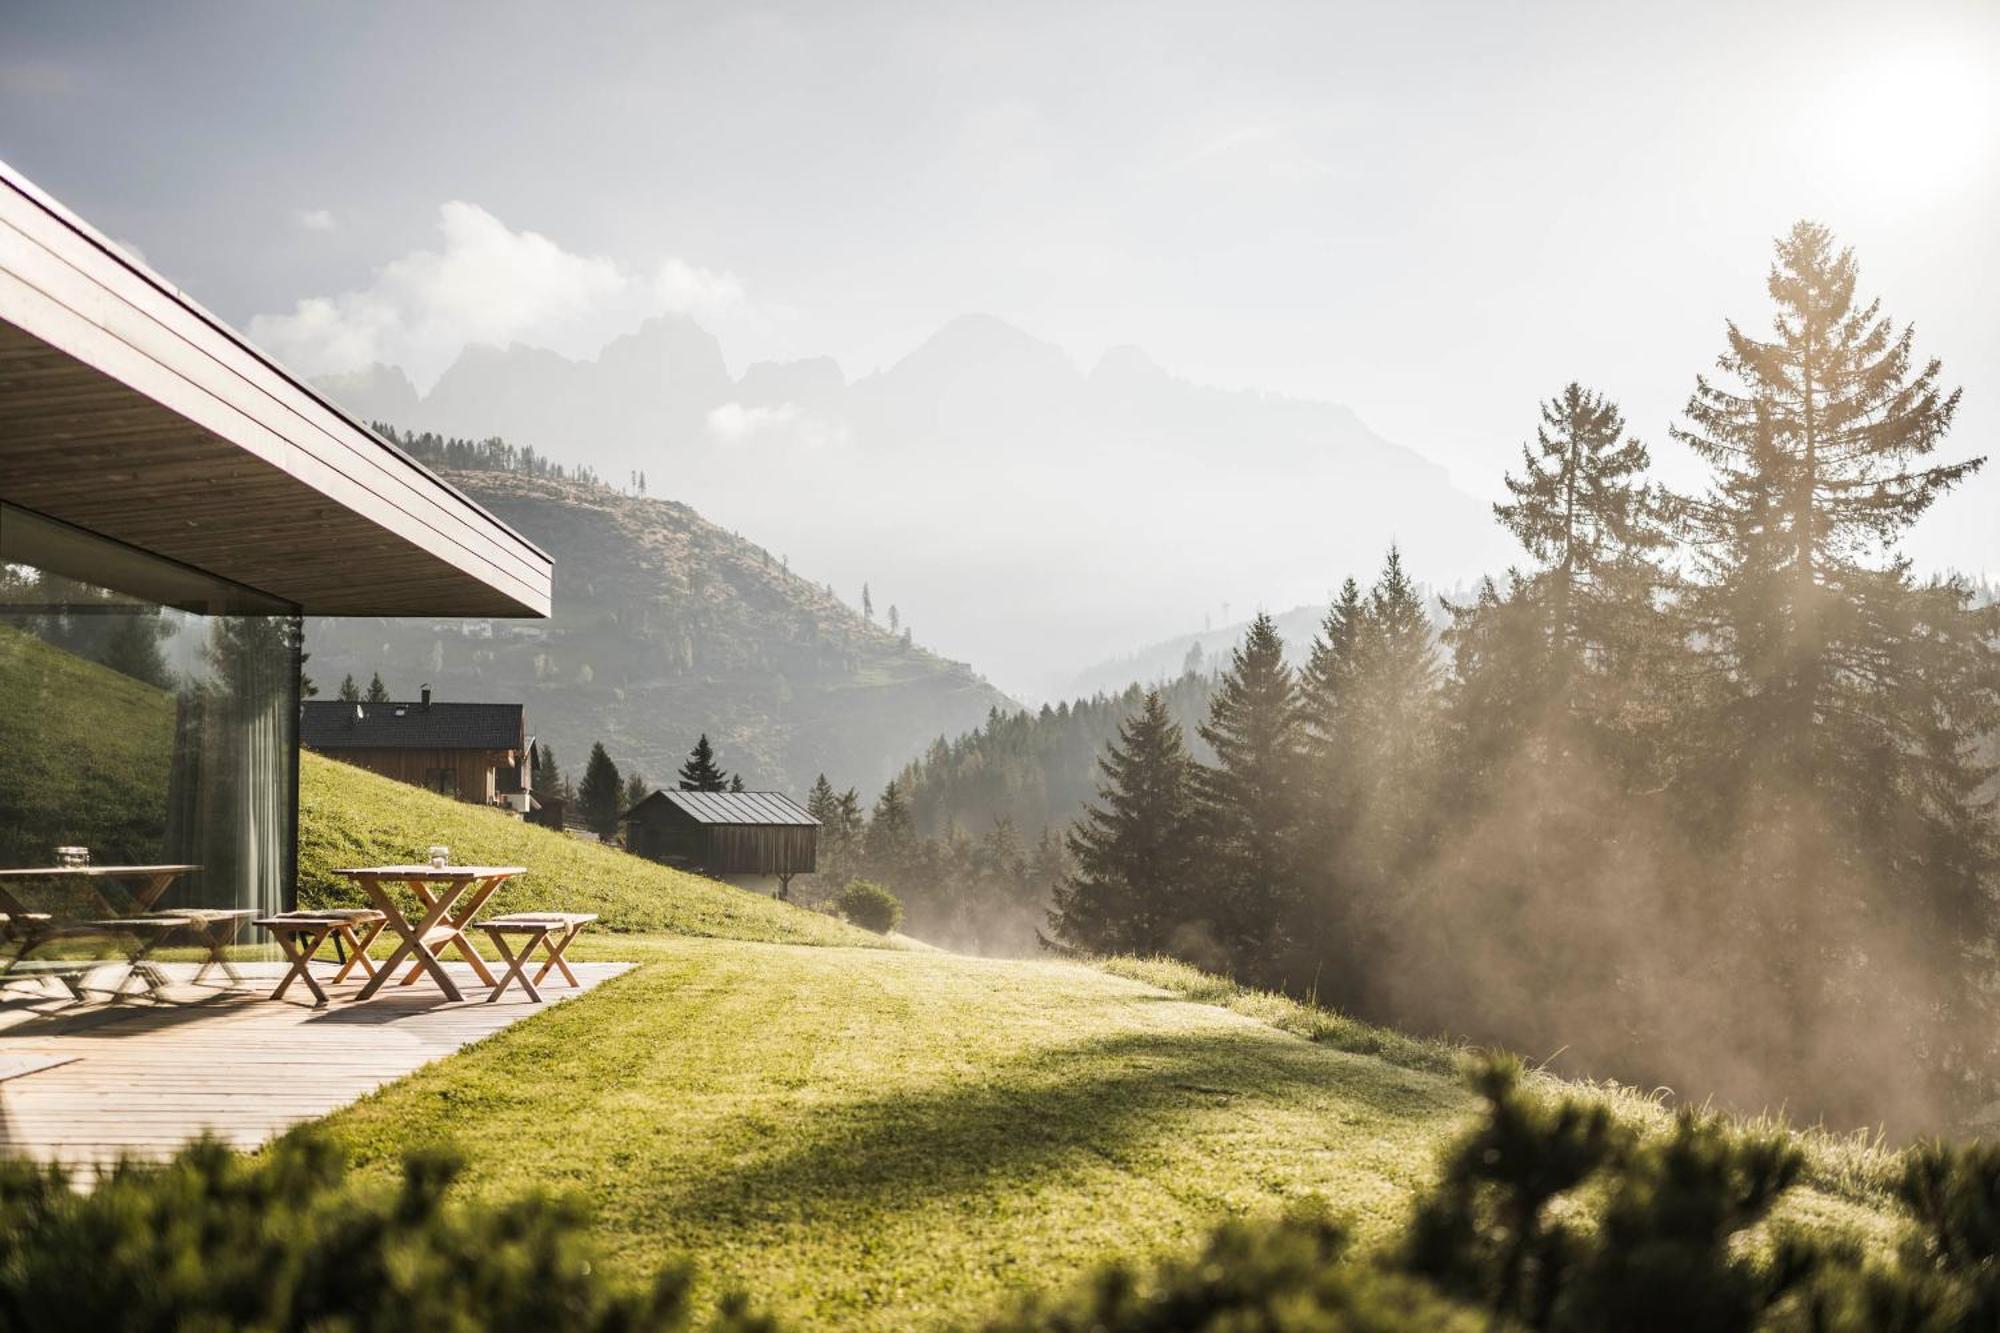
142,1078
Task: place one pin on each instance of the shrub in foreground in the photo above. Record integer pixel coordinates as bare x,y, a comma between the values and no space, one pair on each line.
285,1240
870,906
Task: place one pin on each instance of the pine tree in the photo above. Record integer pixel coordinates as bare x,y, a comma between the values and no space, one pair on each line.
548,784
378,693
636,789
867,604
1250,798
1133,885
1582,508
1820,451
736,783
1845,698
133,648
1330,687
822,804
598,794
890,842
350,693
701,772
895,618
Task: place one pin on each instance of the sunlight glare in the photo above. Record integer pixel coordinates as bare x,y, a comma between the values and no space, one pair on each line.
1918,122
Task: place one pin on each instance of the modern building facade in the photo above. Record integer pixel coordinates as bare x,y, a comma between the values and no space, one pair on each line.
172,504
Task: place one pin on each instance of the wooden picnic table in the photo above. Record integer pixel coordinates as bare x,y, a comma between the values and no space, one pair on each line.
28,929
439,889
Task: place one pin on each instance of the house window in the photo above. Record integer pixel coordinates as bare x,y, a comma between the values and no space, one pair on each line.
444,781
151,715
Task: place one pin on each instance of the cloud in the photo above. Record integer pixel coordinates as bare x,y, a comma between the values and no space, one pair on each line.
733,423
485,283
1268,150
314,219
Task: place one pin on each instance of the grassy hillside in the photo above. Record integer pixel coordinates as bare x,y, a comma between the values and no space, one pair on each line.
893,1140
665,627
349,817
64,775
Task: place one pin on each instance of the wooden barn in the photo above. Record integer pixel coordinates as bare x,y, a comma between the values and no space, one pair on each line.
730,835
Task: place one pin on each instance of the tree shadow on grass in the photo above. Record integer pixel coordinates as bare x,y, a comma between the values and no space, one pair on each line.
1085,1103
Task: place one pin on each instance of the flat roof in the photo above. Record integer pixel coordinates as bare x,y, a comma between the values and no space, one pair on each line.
127,409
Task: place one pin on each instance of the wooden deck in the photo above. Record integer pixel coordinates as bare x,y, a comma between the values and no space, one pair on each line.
86,1083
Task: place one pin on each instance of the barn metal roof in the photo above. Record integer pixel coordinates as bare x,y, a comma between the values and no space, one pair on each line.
734,807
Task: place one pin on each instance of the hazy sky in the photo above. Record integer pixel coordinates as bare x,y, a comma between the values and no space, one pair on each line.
1435,214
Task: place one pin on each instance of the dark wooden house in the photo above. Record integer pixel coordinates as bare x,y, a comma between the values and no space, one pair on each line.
477,752
730,835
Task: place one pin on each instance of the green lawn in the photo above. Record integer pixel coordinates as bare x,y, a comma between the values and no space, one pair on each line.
882,1139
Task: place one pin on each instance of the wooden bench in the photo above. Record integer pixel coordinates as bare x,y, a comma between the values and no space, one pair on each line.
552,932
214,929
300,935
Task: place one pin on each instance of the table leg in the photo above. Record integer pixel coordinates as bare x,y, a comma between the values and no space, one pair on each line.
412,937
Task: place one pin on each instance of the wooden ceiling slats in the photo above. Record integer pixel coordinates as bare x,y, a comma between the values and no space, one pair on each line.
127,410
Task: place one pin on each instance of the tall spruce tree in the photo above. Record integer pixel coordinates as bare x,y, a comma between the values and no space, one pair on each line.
1846,699
547,781
891,840
350,693
1134,851
599,794
1577,654
1582,508
378,693
700,772
1250,799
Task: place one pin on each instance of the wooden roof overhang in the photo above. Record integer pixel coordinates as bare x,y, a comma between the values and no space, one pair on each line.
127,409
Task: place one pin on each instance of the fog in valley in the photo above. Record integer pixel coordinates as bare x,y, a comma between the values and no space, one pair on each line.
1078,350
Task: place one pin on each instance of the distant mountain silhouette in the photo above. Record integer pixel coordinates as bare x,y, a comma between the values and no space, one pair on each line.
1028,516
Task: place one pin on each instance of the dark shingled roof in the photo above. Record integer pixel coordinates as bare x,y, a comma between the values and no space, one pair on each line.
733,807
330,724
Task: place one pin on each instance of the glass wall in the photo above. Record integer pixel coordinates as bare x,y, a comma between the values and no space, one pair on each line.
148,712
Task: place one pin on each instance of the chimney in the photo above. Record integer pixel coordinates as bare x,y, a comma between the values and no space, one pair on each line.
426,692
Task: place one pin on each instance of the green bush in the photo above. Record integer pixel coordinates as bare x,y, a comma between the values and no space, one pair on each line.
1291,1275
870,906
285,1241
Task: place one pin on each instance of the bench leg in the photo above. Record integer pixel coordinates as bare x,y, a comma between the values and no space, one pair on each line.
217,939
300,956
558,945
517,965
357,951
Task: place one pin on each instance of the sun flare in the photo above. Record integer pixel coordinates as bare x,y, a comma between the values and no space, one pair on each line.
1918,121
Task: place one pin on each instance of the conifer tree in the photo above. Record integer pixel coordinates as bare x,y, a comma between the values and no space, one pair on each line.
822,804
350,693
133,648
1847,698
700,772
1249,796
1134,850
1330,687
598,795
891,841
636,789
547,783
1582,508
736,783
1820,440
378,693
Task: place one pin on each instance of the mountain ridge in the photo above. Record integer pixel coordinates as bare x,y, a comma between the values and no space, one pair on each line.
1031,515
